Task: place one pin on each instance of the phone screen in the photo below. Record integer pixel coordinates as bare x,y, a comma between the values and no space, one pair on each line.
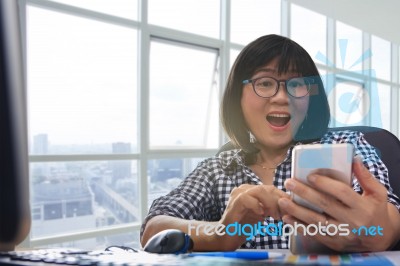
332,160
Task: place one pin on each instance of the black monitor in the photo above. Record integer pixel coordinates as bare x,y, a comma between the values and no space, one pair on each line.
14,178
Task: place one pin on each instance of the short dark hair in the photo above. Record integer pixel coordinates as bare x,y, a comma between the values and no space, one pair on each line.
292,57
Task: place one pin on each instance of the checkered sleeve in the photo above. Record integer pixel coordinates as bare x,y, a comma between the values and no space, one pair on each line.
192,199
374,164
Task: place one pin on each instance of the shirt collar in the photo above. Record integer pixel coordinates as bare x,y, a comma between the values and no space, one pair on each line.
237,156
232,157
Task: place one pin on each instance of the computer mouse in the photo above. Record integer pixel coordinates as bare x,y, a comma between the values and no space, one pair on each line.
170,241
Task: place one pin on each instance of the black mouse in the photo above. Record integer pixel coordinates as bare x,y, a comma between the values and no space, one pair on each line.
170,241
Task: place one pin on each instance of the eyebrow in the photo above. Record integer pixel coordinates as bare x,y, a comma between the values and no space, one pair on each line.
272,70
269,70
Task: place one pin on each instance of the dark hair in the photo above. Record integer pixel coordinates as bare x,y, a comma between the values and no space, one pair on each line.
292,57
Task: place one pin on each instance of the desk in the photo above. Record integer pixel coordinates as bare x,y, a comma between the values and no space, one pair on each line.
375,258
100,258
388,258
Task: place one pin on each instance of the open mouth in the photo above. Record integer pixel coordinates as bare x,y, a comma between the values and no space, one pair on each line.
278,120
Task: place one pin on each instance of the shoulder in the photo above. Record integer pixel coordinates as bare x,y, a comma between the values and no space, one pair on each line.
225,159
361,145
343,136
226,165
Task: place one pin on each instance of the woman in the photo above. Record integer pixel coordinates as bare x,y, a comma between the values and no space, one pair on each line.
274,100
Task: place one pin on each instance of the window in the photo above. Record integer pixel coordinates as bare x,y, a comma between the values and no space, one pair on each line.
233,55
183,96
314,41
82,80
350,101
381,106
166,174
251,19
349,48
82,98
122,8
198,17
380,59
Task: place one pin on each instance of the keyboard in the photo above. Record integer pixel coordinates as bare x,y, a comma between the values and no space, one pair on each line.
63,256
132,257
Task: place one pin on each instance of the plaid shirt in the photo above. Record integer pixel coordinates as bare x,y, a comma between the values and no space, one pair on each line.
204,194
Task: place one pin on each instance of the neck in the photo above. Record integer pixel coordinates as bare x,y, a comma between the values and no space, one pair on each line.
271,157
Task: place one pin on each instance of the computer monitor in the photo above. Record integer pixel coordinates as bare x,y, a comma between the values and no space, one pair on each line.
14,178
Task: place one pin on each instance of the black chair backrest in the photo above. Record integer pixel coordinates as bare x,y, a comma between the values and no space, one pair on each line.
388,148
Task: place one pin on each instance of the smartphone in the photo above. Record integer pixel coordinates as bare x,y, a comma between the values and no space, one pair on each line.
332,160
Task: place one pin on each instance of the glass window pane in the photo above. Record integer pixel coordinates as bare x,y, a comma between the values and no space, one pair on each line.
349,103
79,196
101,242
82,84
348,47
381,114
323,75
121,8
183,96
251,19
233,55
199,17
380,60
167,174
308,28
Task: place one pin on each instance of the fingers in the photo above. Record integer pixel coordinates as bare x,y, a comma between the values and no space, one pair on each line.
332,196
322,228
260,200
334,193
369,184
301,214
244,202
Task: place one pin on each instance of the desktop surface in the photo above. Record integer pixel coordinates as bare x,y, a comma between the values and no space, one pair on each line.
64,256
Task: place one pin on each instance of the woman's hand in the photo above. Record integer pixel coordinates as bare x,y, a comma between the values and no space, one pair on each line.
250,204
247,204
342,205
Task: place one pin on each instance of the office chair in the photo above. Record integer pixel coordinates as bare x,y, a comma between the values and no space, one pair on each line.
388,148
386,144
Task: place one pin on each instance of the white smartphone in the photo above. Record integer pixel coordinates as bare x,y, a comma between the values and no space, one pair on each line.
332,160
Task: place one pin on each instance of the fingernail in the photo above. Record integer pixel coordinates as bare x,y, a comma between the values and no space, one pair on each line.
312,178
358,159
283,202
289,184
286,219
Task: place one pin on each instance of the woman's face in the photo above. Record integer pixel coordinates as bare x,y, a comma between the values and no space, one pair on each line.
273,121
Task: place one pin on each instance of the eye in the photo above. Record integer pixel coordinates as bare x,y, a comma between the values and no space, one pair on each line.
265,83
296,82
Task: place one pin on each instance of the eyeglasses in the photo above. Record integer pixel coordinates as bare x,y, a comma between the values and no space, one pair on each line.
267,87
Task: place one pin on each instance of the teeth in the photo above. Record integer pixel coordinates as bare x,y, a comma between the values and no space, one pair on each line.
279,115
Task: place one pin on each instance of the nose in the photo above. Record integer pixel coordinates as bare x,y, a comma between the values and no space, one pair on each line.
281,96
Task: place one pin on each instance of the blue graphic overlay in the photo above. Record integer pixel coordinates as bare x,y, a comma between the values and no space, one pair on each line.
353,94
